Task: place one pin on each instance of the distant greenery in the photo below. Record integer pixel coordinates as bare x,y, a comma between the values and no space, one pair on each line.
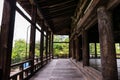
61,50
19,51
92,48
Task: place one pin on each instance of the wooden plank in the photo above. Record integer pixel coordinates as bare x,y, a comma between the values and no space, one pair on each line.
108,56
32,38
7,30
85,47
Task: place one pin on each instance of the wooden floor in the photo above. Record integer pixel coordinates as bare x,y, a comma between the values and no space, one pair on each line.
59,69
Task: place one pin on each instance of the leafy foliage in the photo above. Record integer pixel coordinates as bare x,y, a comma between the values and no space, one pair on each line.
19,51
61,49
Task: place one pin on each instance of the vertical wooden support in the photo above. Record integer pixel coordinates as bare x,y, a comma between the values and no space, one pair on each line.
70,48
80,47
77,49
32,38
74,50
7,30
72,43
46,45
41,47
42,43
52,47
85,47
95,50
108,55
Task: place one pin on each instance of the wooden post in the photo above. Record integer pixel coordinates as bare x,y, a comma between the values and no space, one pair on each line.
74,50
80,47
95,50
7,30
46,45
41,47
50,45
72,43
32,38
70,49
85,47
52,48
42,43
77,49
108,55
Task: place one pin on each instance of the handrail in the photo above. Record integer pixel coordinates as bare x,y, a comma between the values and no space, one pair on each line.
17,64
24,73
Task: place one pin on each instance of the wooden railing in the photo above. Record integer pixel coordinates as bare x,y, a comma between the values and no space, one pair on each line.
22,70
98,55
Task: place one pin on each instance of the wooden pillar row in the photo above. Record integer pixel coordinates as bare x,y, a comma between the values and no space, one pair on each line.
108,55
85,48
32,38
7,30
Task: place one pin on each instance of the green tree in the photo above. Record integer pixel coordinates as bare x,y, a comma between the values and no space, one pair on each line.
19,51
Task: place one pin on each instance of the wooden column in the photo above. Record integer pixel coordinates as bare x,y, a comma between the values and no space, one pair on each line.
7,30
46,45
108,55
52,48
77,49
41,47
42,43
32,37
80,47
72,49
50,43
95,50
85,47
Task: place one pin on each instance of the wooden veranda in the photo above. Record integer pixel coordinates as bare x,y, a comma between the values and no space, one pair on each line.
85,21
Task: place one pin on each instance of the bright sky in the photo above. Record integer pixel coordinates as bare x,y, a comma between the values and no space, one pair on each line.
21,25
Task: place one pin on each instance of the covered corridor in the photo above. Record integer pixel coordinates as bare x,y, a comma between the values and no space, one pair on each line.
93,30
59,69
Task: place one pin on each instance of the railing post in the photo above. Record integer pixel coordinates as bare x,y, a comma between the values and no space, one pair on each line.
6,36
21,75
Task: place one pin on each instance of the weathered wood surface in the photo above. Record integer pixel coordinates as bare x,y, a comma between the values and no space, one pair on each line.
59,69
32,38
108,56
85,48
7,30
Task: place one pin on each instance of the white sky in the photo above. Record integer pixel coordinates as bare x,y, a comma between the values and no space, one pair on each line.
21,25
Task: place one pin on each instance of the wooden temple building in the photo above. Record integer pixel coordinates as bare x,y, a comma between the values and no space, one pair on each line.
85,21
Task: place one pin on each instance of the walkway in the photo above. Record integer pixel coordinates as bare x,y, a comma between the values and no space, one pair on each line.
59,69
